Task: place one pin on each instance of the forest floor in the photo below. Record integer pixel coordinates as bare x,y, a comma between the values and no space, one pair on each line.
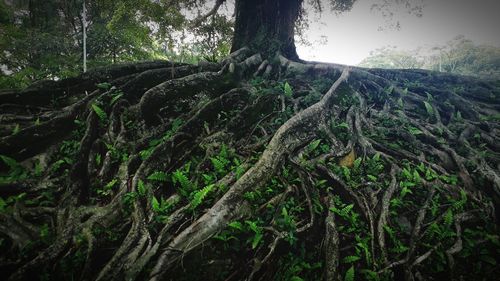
251,170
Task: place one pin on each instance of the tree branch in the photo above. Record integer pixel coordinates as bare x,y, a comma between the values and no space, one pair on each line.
212,12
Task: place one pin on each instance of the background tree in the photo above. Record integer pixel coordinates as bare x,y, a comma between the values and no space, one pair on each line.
459,56
391,58
42,39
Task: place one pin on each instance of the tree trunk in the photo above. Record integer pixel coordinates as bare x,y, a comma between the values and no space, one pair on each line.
266,26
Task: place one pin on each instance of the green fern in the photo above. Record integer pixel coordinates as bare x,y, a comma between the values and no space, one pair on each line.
16,171
429,108
116,97
200,195
141,188
287,90
448,218
158,176
349,275
257,230
100,112
11,162
179,177
236,225
219,164
350,259
155,205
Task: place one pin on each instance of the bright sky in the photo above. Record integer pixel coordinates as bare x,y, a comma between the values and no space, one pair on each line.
352,35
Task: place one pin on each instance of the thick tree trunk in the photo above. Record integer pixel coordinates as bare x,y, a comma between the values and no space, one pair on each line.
267,26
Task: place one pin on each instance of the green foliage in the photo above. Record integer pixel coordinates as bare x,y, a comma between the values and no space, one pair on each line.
141,188
429,108
16,172
349,275
287,90
116,96
200,195
158,176
162,207
45,234
397,245
346,213
460,56
361,172
100,112
42,39
11,200
176,124
107,189
287,223
180,179
155,205
128,200
350,259
117,153
212,40
313,145
414,131
104,85
300,264
340,130
257,231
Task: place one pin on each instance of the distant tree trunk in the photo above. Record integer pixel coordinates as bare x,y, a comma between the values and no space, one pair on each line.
267,26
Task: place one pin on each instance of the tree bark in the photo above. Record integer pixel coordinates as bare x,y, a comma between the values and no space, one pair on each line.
267,26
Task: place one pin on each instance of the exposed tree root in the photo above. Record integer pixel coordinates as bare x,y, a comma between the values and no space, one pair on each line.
250,170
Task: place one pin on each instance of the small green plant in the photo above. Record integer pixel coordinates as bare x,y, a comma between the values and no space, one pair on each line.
181,180
16,172
158,176
287,90
398,246
287,223
104,85
350,259
116,95
429,108
45,234
257,231
142,188
100,112
107,189
200,195
349,275
128,200
221,161
145,153
16,129
162,207
11,200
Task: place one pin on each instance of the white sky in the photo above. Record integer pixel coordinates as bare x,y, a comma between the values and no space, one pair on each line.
352,35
